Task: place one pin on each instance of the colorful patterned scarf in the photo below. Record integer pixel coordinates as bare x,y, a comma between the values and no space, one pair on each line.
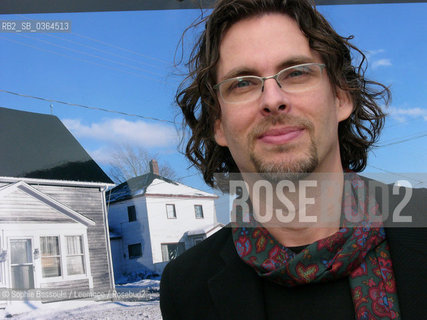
360,253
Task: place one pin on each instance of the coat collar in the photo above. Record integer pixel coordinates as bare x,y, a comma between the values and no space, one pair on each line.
236,290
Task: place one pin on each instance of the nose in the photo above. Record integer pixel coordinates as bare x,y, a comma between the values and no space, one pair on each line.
273,99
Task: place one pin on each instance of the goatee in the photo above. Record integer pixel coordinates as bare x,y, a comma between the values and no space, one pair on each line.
286,169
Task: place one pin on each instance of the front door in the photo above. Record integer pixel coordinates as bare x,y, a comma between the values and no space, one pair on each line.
22,269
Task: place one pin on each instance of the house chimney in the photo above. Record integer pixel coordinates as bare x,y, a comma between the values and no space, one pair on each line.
154,167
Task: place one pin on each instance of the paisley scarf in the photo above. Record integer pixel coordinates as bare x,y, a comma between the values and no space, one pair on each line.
360,253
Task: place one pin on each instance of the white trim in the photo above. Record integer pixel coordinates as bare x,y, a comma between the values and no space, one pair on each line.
9,262
61,259
87,260
107,240
57,182
63,256
32,232
22,229
176,195
23,186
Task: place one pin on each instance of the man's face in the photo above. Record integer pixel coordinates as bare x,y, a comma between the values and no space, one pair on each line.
279,132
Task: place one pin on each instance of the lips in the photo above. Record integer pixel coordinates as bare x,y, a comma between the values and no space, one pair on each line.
281,135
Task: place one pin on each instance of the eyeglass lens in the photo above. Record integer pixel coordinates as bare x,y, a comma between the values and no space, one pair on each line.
294,79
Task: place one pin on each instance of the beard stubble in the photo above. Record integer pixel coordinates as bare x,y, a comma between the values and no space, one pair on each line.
287,168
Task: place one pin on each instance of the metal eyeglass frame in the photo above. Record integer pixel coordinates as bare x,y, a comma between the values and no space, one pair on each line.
275,77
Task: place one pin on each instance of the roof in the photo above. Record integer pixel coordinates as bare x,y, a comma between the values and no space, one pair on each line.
35,145
207,229
151,184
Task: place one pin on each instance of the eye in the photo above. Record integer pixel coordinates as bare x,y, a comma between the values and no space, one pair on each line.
242,84
297,73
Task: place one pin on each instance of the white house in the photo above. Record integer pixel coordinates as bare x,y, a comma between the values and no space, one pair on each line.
53,235
53,215
153,219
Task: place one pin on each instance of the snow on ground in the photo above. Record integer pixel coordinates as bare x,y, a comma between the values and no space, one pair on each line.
88,310
142,304
149,284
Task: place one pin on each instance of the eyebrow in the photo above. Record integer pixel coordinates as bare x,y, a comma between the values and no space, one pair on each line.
244,71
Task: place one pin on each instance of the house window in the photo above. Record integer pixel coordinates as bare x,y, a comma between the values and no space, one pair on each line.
198,209
172,250
75,255
50,257
170,211
131,213
135,251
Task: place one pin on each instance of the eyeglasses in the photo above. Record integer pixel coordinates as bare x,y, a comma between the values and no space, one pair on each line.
294,79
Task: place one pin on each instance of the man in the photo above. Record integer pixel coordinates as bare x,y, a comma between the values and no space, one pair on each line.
272,97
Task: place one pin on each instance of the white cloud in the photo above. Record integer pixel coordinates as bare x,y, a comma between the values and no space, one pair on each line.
381,63
121,131
404,114
374,52
101,155
375,60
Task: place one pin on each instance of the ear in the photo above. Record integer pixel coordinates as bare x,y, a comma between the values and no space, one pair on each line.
219,133
344,104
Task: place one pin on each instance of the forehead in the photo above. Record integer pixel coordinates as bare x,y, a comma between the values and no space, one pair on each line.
262,44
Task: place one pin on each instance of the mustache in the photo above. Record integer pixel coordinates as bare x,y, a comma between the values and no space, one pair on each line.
283,120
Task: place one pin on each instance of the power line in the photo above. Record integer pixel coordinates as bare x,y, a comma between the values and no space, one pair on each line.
162,120
93,55
86,107
396,174
120,48
103,51
111,45
79,59
404,140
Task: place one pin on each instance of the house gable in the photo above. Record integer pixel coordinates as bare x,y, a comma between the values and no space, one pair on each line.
20,202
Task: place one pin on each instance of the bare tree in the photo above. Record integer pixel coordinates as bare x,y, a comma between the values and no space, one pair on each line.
128,162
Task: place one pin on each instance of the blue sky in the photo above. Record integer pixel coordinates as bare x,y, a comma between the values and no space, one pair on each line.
125,61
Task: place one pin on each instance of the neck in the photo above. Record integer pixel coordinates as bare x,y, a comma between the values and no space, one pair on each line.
298,212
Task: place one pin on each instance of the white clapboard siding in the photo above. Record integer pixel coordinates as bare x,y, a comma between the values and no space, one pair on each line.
20,206
73,289
88,202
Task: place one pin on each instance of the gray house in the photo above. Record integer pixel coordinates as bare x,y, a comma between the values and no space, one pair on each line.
53,218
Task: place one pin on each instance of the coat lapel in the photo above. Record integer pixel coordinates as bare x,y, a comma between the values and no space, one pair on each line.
409,256
236,290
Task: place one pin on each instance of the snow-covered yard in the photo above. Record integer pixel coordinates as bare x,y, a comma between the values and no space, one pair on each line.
137,300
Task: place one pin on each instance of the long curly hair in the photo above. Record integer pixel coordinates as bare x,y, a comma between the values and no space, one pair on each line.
199,104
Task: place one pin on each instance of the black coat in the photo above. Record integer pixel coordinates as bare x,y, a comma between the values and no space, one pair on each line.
210,281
